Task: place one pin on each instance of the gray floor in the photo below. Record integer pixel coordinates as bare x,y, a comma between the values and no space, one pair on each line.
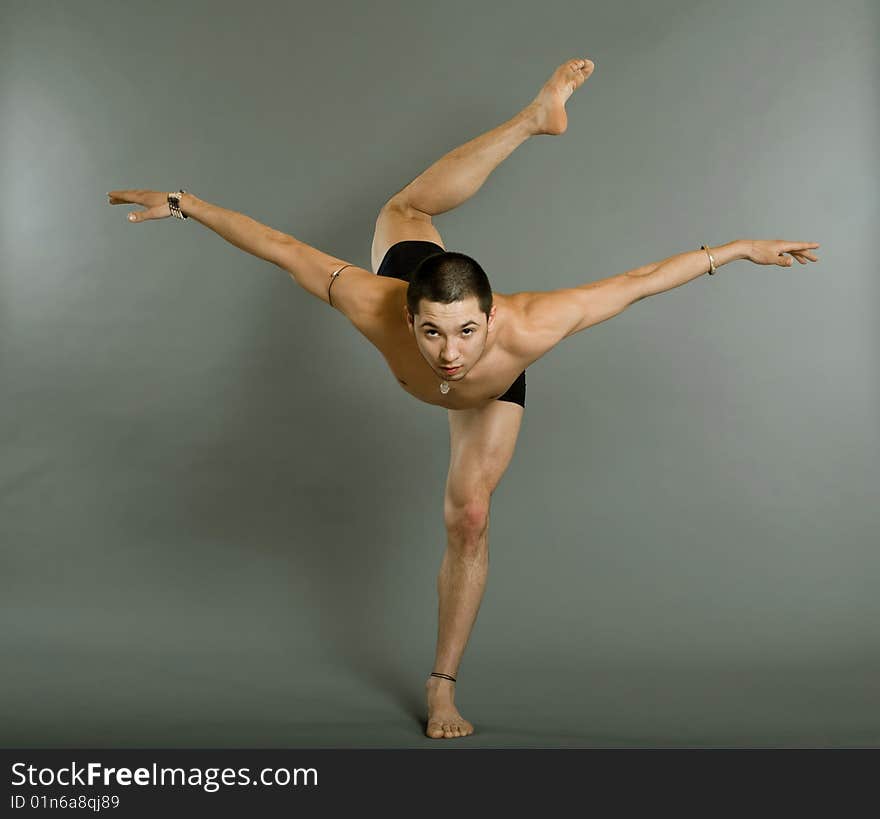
142,705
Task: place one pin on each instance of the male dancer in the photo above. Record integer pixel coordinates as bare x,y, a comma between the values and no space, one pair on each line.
450,341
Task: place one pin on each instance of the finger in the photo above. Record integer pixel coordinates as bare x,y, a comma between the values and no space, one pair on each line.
144,215
120,197
158,212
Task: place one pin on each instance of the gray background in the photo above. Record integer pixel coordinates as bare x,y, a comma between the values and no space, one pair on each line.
221,518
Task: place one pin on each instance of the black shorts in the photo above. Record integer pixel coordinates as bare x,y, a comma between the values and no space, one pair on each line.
401,259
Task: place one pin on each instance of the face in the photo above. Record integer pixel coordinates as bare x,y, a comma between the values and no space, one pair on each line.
451,335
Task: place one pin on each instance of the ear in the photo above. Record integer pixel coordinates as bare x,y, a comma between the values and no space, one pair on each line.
410,319
491,319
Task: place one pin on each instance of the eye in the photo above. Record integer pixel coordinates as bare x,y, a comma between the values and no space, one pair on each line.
468,330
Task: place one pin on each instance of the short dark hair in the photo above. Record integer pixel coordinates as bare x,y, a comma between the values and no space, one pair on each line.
447,277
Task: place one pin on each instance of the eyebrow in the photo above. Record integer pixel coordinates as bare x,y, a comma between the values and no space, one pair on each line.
431,324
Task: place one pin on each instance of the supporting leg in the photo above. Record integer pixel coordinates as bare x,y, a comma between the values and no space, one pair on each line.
462,579
482,444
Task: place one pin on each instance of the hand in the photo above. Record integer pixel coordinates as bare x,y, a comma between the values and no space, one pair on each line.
156,203
771,251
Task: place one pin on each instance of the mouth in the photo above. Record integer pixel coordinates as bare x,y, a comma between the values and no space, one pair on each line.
451,370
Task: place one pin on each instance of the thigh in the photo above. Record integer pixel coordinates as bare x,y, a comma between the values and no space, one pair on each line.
398,222
482,442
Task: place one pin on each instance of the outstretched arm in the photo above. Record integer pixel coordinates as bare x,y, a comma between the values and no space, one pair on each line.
359,298
548,317
680,269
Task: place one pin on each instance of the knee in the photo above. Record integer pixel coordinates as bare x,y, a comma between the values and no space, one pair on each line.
467,523
400,206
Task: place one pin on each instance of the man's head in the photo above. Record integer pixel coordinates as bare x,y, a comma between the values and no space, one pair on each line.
450,311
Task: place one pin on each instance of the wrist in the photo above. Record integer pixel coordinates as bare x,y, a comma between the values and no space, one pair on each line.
188,203
741,249
730,252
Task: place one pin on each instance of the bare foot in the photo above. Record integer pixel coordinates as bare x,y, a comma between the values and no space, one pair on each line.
549,105
444,721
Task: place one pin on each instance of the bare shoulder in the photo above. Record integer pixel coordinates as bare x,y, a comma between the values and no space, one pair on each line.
373,304
536,321
540,319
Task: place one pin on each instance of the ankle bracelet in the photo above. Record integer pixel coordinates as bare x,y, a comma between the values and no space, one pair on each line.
444,676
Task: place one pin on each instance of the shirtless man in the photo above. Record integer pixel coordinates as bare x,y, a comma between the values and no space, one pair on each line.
453,320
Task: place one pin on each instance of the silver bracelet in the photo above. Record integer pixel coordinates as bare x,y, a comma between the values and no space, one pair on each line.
712,267
333,276
174,204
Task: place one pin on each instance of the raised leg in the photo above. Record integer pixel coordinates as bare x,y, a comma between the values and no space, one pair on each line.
457,176
482,442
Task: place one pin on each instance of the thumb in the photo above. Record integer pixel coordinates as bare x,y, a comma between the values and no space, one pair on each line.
786,261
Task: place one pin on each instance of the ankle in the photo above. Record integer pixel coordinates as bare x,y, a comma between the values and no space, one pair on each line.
439,692
439,684
531,118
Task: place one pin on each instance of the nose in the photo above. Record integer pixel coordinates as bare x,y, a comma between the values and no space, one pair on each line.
449,355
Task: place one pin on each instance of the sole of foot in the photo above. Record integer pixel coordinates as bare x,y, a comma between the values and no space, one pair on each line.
549,104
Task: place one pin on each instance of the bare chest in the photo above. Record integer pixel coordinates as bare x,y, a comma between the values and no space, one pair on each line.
490,377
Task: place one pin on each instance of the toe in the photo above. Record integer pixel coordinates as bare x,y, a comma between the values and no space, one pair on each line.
435,730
